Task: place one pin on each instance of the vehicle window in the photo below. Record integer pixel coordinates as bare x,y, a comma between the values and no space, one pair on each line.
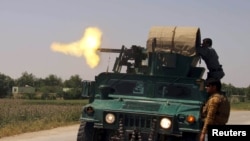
127,87
176,91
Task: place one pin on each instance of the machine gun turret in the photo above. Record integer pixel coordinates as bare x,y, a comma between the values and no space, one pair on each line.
130,57
140,60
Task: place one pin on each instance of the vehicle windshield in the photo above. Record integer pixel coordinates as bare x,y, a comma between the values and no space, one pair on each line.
161,89
177,91
127,87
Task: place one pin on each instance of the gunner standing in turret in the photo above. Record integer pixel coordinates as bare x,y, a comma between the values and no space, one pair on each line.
210,57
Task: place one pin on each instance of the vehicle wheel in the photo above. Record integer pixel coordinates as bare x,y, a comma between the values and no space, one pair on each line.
101,135
85,132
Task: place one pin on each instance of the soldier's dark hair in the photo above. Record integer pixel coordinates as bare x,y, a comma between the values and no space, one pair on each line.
214,82
208,41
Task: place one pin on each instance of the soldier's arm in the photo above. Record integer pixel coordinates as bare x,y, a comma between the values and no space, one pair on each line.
211,113
201,51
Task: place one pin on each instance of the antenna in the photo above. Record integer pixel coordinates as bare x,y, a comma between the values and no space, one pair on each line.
108,65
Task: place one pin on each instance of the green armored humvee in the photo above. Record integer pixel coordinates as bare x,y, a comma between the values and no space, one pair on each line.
158,98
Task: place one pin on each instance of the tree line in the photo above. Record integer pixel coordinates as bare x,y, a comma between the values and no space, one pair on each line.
53,84
50,87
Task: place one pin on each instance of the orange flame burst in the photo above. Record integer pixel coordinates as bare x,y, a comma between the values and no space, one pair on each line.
86,47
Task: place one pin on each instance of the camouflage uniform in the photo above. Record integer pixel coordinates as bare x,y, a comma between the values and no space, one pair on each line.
216,111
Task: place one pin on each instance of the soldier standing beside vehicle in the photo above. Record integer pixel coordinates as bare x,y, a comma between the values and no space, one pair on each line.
216,110
209,55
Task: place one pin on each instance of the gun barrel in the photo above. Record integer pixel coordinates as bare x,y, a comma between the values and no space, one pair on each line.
111,50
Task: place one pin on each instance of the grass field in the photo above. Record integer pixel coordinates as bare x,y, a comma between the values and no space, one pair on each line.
20,116
241,106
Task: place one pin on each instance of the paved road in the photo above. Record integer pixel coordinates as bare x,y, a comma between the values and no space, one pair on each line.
239,117
69,133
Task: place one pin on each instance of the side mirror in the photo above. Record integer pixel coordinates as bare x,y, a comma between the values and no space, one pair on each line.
87,88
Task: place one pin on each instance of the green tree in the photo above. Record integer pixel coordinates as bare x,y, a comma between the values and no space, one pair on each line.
74,93
26,79
50,86
53,80
248,92
229,89
6,84
74,82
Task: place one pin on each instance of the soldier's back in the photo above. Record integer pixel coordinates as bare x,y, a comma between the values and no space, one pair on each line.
223,111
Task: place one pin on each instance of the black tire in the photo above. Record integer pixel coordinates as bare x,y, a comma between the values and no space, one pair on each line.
85,132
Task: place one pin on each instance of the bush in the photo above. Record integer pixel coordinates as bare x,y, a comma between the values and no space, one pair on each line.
72,94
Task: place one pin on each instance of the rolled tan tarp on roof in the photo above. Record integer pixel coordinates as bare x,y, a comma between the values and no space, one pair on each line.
174,39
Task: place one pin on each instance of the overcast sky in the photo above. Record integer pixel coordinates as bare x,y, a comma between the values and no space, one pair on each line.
28,28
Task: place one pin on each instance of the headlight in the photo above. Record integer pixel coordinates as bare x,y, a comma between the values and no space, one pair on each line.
110,118
165,123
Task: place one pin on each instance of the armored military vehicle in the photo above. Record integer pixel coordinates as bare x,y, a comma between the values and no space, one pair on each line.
158,98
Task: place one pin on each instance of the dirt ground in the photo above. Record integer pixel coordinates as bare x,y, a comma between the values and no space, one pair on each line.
68,133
